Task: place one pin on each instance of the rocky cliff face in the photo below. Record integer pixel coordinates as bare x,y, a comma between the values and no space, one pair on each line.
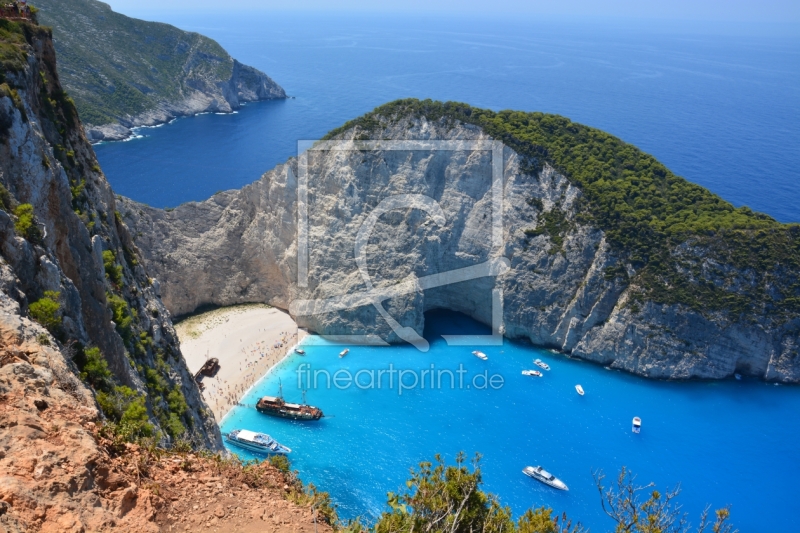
124,72
567,287
68,259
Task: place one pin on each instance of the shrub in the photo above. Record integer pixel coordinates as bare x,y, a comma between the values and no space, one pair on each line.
128,412
122,314
26,225
113,270
46,311
95,369
281,462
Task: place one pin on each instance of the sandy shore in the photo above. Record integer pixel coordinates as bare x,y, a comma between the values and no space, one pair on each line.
248,340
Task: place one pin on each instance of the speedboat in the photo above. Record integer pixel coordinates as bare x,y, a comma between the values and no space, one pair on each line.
532,373
637,424
579,389
540,474
541,364
256,442
344,352
299,351
480,355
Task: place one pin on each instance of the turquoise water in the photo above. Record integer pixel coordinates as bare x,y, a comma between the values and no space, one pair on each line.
726,442
720,108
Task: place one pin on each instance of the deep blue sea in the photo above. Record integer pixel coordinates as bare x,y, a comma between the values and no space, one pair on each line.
727,443
719,106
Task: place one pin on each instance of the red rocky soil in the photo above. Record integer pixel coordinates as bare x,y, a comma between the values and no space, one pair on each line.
57,474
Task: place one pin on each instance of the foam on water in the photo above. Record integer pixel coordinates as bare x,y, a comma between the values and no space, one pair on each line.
731,442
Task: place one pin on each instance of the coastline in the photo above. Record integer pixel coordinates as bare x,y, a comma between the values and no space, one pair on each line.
249,341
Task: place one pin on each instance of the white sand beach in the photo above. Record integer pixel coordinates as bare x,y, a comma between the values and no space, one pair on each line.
248,340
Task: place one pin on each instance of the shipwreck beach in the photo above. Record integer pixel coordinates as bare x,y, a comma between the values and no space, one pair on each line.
248,340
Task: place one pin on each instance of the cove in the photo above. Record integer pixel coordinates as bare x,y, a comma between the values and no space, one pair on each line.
731,442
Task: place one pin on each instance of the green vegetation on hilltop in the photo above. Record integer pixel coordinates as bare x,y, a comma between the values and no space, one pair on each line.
116,66
688,245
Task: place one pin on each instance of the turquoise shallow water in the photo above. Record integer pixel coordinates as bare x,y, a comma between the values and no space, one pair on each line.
725,442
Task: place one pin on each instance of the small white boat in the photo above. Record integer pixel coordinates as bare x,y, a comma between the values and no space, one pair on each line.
738,377
541,364
540,474
637,424
532,373
480,355
299,351
256,442
579,389
344,352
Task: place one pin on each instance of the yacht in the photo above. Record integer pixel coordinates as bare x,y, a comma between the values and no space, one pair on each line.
256,442
480,355
541,364
540,474
579,389
532,373
344,352
637,424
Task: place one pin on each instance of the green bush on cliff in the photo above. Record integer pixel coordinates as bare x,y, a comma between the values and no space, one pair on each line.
25,225
95,369
12,46
122,314
45,311
127,411
113,270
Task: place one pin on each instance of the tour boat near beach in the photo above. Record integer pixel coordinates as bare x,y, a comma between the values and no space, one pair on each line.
276,406
344,352
532,373
256,442
298,351
480,355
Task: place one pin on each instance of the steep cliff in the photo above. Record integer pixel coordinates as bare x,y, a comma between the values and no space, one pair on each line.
69,263
124,72
613,259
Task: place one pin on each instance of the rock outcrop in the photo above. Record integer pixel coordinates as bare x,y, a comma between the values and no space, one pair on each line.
567,288
124,72
67,258
60,473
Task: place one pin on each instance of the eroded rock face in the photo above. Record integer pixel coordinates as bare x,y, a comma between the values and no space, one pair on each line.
46,161
566,289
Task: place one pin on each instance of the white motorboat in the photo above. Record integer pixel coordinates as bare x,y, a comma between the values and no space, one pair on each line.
298,351
344,352
532,373
541,364
256,442
540,474
637,424
579,389
480,355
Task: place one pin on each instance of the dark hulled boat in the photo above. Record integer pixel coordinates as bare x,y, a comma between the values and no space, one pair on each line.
276,406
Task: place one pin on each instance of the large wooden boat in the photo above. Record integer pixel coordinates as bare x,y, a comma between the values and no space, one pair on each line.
277,406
